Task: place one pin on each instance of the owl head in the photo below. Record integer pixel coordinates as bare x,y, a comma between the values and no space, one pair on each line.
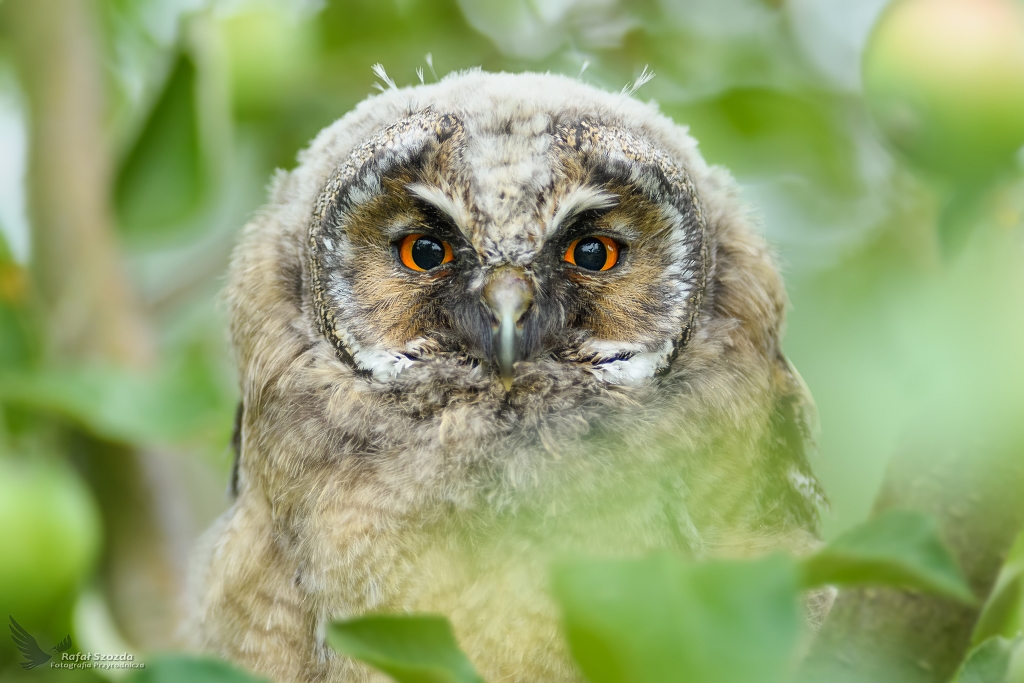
487,242
501,259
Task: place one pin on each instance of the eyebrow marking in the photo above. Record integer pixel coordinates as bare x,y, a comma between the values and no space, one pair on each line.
453,208
583,198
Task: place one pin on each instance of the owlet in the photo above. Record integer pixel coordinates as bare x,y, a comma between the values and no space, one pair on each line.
485,324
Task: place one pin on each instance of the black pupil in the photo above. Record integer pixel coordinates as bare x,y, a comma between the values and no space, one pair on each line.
427,253
590,253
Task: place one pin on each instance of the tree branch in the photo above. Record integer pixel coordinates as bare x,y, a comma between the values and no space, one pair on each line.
887,635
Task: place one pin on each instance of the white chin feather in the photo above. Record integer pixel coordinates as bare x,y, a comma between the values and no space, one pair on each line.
382,365
636,369
632,371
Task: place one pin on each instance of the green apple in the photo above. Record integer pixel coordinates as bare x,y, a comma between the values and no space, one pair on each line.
50,535
944,79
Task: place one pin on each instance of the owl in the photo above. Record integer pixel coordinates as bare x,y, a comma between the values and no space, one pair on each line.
485,324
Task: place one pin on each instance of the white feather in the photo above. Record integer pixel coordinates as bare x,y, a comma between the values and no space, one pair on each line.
378,70
641,80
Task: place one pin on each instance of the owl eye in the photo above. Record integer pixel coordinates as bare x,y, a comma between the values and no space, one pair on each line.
422,252
593,253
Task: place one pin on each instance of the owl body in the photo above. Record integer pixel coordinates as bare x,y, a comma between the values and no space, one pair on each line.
485,324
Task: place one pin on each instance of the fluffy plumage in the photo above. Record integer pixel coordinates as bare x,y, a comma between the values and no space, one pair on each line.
384,465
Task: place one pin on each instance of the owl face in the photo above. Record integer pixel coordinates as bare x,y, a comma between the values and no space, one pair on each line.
494,247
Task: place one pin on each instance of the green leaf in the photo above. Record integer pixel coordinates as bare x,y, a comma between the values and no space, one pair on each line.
1003,613
989,662
409,648
661,619
766,132
185,669
271,53
161,180
963,213
183,403
19,342
897,548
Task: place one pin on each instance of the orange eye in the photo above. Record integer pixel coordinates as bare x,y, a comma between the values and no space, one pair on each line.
423,252
593,253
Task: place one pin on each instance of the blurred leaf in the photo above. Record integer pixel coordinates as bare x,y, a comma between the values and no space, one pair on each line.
962,213
271,53
186,669
517,27
989,662
706,48
409,648
181,404
161,181
832,35
19,344
1003,613
15,345
760,132
388,27
897,548
661,619
341,43
722,17
533,30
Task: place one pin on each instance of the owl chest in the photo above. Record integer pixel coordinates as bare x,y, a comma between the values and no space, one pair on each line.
479,559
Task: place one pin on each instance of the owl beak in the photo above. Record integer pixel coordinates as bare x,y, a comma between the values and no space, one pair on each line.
508,295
